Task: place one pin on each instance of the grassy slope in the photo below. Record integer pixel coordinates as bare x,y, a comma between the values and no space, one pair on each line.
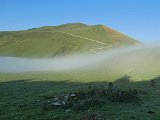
50,41
36,45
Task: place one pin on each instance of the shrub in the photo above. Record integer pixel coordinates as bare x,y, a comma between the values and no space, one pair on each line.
90,97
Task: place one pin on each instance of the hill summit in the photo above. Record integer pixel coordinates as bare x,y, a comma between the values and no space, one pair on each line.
50,41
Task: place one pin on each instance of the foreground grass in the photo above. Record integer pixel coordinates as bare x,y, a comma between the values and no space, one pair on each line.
22,95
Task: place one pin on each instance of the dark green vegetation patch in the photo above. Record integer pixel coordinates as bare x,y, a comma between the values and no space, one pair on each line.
90,97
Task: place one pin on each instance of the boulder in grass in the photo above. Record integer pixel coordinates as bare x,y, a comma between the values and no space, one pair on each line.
73,95
56,104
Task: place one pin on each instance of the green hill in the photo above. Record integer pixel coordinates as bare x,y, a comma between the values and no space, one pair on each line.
50,41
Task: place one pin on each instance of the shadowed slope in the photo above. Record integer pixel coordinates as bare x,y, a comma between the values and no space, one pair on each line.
22,98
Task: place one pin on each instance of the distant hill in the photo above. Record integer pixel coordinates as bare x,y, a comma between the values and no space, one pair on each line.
50,41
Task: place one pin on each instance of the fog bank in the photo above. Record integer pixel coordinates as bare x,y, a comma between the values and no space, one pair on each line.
126,56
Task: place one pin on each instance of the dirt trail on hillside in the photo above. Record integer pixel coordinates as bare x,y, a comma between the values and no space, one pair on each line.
92,50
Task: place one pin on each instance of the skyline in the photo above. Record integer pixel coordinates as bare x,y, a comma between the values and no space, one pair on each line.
135,18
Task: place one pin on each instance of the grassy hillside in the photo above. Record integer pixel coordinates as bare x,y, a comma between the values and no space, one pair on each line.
50,41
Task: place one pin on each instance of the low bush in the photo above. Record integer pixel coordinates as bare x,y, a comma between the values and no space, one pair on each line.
90,97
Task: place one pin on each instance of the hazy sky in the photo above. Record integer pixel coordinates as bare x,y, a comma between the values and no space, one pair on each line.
137,18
